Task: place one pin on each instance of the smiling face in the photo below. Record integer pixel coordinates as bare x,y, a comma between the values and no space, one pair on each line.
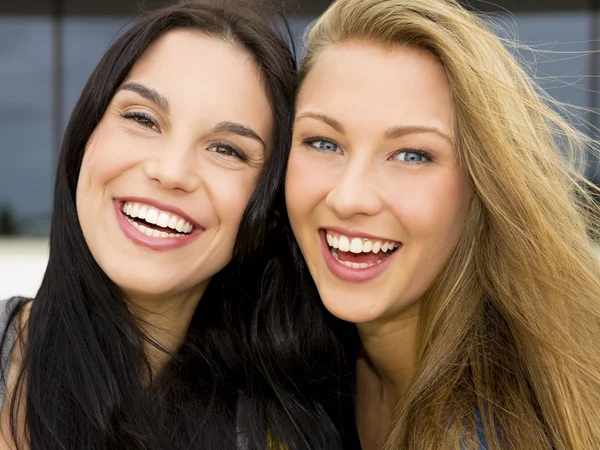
169,169
375,193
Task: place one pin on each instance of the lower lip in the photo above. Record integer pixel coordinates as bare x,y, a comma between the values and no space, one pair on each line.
155,243
348,273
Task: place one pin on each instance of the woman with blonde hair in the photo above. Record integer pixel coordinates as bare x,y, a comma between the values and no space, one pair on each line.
433,192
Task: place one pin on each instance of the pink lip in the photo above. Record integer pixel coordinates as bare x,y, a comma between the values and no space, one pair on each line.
155,243
358,234
348,273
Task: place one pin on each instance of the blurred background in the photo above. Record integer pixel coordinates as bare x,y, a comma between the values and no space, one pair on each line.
48,49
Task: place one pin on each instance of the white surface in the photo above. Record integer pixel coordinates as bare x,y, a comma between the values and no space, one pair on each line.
22,266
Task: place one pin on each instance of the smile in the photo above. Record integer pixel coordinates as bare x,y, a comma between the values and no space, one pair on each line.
152,224
357,258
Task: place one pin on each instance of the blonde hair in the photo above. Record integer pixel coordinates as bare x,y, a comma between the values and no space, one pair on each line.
509,334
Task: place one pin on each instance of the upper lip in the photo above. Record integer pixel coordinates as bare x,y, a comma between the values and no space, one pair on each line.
356,233
162,206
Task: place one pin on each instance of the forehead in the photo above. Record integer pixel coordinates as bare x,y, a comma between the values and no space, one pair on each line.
388,86
196,52
205,75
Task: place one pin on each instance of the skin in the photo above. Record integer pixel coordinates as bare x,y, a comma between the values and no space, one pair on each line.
174,155
361,112
177,158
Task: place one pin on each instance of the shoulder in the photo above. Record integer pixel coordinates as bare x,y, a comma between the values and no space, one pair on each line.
14,313
9,308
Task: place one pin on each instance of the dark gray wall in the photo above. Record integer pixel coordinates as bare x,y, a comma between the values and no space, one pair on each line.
305,7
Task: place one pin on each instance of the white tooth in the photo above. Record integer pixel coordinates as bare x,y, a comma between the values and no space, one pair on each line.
355,265
329,240
347,264
344,244
173,222
363,265
384,247
152,216
156,233
367,246
356,245
336,242
376,247
135,209
129,208
135,224
188,228
149,231
124,208
163,234
163,220
180,225
142,229
142,212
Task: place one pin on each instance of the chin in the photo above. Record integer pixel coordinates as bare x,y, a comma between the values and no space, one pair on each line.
352,308
145,284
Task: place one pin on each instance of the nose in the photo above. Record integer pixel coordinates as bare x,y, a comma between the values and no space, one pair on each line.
354,192
174,168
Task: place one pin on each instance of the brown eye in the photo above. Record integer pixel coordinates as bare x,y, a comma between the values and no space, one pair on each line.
141,119
222,148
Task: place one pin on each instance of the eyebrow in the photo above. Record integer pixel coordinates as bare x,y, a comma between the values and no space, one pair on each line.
161,101
391,133
337,126
399,131
148,93
240,130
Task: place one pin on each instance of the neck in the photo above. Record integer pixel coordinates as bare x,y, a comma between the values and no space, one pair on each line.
165,319
389,353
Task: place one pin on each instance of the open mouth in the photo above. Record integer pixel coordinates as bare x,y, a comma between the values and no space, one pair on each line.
154,222
358,252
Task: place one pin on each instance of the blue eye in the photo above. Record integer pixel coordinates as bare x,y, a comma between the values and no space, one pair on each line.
323,144
413,156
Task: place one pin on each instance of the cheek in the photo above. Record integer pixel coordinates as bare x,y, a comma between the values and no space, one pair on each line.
305,186
432,204
230,192
106,156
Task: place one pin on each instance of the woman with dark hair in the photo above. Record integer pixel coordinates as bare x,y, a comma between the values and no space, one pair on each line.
179,140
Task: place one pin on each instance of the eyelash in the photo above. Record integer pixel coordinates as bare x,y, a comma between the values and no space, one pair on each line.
236,152
426,155
312,140
139,118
